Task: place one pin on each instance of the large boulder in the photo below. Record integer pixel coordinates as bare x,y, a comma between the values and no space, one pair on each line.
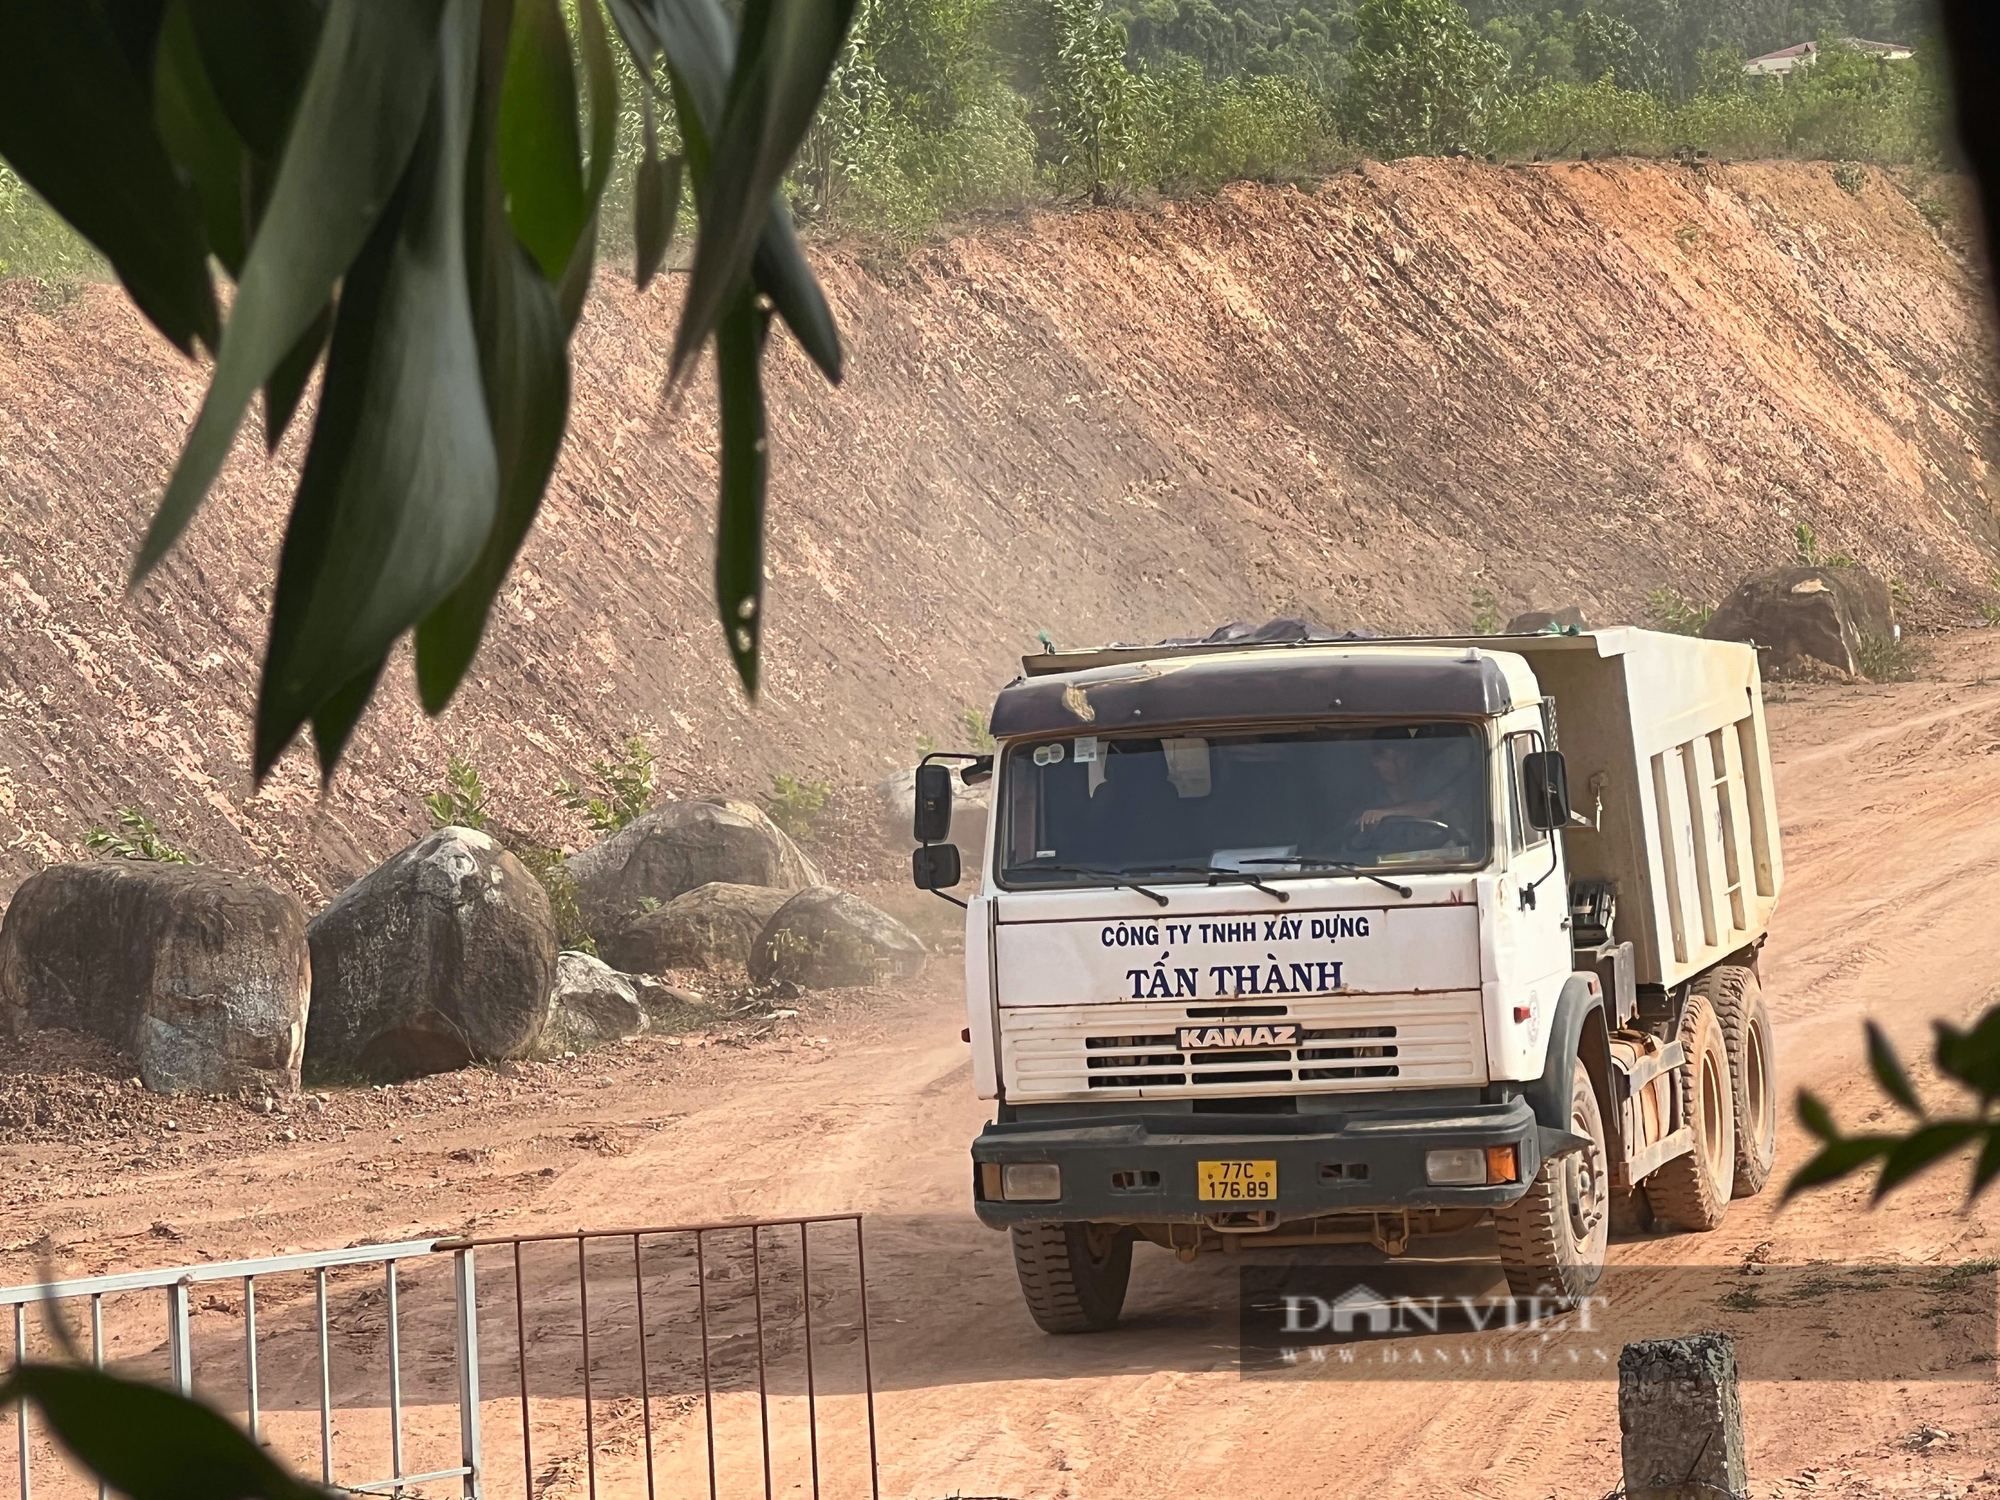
679,847
201,976
825,939
709,927
1825,615
444,956
591,1004
897,797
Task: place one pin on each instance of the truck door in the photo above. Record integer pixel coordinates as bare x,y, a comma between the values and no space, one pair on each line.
1529,953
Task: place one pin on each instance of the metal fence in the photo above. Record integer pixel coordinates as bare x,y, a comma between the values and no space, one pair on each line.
728,1358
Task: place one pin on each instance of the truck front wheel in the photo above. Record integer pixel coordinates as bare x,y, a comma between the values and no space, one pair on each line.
1693,1190
1073,1275
1552,1237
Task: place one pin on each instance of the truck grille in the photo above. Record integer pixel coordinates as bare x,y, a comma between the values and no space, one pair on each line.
1356,1041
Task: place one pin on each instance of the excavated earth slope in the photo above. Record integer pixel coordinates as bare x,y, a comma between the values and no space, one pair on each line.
1377,403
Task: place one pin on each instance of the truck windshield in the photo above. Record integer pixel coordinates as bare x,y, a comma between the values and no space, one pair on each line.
1277,804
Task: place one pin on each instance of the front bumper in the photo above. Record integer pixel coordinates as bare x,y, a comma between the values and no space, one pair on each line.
1142,1169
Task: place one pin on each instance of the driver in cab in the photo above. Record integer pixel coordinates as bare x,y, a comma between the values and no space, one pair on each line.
1424,775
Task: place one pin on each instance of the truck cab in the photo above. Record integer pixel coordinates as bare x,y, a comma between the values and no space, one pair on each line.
1305,944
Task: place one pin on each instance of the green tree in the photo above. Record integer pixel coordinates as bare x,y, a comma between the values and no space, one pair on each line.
1097,101
1608,46
1419,79
408,195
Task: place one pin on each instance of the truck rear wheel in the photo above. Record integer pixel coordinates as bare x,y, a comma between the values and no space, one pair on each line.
1693,1190
1746,1032
1073,1275
1552,1237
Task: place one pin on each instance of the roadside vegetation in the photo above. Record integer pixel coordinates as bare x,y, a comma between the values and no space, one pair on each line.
616,791
938,110
795,805
136,837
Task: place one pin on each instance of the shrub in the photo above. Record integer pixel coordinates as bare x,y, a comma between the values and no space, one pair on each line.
552,873
1887,658
1485,612
1674,611
1567,119
34,242
795,806
1200,134
462,803
622,788
137,838
977,735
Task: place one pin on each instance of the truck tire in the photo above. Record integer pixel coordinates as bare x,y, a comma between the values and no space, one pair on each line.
1552,1237
1693,1190
1746,1032
1073,1276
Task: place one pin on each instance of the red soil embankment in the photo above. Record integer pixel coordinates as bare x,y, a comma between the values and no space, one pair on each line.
1421,384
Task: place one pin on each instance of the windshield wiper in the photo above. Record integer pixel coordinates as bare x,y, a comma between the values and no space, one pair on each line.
1215,876
1333,864
1115,877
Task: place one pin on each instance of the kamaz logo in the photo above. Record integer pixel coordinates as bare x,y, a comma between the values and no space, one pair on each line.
1211,1038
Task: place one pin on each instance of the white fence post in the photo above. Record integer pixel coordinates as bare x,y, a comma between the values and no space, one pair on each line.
466,1281
180,1353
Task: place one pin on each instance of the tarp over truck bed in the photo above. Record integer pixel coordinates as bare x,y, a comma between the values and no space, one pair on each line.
1668,730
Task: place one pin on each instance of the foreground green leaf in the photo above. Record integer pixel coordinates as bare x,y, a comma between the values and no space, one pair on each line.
149,1443
77,123
602,73
201,139
357,121
657,201
399,490
1836,1160
524,374
788,48
739,530
1888,1070
258,54
538,144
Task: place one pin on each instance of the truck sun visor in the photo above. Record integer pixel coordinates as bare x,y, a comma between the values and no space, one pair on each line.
1264,689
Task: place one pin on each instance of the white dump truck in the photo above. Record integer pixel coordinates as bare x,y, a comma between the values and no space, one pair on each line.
1364,941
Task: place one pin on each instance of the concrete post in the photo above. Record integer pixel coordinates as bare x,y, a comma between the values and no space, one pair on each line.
1680,1420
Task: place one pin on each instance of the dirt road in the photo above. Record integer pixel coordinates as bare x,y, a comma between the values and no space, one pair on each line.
1891,802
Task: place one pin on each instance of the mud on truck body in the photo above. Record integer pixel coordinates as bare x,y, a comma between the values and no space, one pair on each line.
1312,943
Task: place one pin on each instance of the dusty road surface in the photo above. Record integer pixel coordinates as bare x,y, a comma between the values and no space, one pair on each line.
1891,804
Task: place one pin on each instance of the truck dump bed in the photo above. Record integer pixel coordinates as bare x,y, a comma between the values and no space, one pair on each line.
1667,732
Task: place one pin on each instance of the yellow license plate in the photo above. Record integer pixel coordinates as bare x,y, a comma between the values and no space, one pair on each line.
1238,1181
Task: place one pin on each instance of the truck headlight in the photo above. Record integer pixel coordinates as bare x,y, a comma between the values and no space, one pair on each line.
1456,1166
1031,1182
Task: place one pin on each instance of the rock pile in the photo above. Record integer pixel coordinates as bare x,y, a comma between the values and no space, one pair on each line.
678,848
443,956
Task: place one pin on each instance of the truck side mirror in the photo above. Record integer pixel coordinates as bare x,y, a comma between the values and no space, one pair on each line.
934,867
1545,789
932,824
